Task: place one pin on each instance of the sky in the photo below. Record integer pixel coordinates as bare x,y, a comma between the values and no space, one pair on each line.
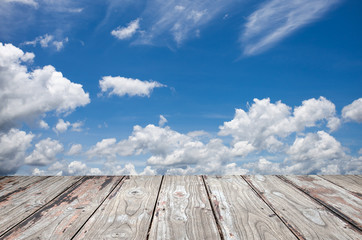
180,87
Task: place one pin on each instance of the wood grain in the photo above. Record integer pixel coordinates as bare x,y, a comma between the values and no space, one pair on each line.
183,210
241,213
62,217
13,184
349,182
337,199
22,202
303,215
126,213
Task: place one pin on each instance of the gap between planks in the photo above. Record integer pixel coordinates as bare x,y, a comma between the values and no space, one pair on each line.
110,192
154,208
212,207
39,209
295,232
332,209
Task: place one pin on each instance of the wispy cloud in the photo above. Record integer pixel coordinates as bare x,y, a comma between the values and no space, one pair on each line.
126,32
47,41
25,2
276,19
180,19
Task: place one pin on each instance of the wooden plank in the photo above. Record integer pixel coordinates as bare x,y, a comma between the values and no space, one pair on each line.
126,213
183,210
62,217
338,200
22,202
349,182
306,218
241,213
14,183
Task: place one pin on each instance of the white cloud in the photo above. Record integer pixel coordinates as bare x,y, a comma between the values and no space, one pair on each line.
353,111
122,86
43,124
59,45
47,41
198,133
77,168
266,124
263,128
180,19
27,95
77,126
168,149
276,19
314,152
45,152
38,172
75,149
13,146
127,32
162,121
61,126
25,2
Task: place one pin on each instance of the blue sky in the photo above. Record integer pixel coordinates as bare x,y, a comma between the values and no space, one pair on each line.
187,87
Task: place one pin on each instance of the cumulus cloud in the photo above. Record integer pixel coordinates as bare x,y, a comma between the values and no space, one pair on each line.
47,40
126,32
27,95
313,152
265,128
168,148
77,168
63,126
43,124
45,152
266,124
122,86
353,111
316,153
13,146
276,19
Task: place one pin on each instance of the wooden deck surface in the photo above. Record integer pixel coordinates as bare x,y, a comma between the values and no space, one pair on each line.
181,207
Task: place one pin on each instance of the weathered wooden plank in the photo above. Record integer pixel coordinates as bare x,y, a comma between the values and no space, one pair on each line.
241,213
349,182
306,218
183,210
62,217
22,202
126,213
14,183
338,200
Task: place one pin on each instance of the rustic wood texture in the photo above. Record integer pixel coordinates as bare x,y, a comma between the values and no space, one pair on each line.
126,213
13,184
183,210
308,219
181,207
241,213
338,200
349,182
61,218
22,202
